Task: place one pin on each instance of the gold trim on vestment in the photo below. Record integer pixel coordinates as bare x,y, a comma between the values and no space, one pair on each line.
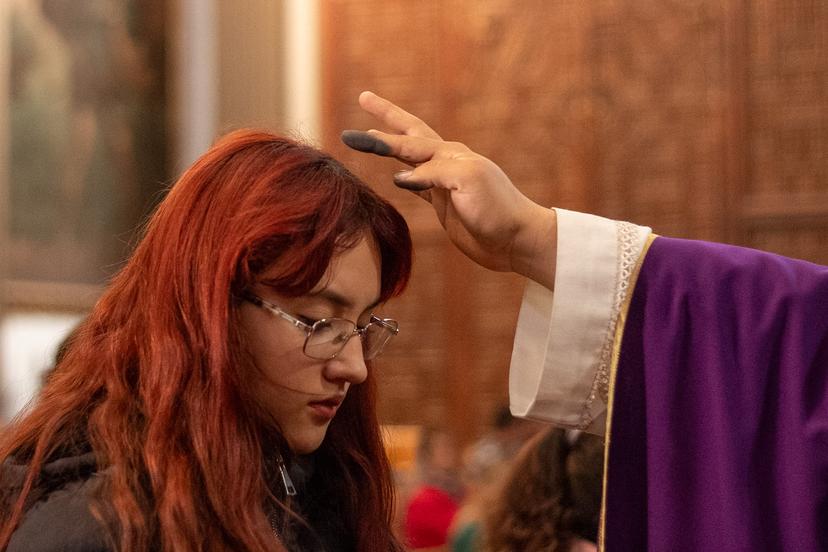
616,351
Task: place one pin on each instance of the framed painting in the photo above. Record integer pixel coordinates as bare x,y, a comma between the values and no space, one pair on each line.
85,138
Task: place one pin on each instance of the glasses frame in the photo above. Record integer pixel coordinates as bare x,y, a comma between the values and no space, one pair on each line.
388,323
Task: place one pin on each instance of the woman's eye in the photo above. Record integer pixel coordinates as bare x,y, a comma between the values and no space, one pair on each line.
307,320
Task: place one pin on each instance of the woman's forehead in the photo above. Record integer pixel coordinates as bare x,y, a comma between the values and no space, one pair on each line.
353,278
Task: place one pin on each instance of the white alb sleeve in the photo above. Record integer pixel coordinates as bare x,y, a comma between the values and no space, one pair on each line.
563,344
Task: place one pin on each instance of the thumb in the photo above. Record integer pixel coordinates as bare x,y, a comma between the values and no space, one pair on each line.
407,181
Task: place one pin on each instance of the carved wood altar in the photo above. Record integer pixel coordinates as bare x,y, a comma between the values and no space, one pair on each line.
701,119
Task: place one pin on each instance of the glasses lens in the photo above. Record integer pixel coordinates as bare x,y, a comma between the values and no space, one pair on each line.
327,337
376,336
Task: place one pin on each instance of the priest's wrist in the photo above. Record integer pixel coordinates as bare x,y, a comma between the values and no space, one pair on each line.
535,247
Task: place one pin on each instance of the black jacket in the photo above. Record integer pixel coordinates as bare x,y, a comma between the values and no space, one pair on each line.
59,515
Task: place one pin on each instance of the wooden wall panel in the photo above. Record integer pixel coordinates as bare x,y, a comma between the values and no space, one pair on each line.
784,204
700,118
658,68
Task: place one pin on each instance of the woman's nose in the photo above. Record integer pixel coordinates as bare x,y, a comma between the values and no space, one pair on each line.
349,364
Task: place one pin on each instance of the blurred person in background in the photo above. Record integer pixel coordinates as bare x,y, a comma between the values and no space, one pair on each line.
435,499
551,498
484,462
507,436
220,394
706,364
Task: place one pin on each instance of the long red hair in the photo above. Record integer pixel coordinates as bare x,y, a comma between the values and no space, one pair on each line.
157,379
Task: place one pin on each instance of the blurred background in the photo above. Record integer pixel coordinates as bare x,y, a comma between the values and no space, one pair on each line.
701,118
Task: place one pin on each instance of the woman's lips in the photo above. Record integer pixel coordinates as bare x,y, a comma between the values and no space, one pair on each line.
327,408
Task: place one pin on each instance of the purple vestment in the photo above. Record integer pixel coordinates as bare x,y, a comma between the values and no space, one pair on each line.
719,429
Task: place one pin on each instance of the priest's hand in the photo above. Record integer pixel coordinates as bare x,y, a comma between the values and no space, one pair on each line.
483,213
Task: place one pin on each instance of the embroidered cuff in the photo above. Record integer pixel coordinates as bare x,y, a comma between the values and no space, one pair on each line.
563,345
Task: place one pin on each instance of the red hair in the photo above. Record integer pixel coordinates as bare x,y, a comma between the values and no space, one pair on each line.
157,379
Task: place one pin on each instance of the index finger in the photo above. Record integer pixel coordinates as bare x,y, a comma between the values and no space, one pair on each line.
394,117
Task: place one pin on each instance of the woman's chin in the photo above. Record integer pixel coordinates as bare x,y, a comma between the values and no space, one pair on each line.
307,443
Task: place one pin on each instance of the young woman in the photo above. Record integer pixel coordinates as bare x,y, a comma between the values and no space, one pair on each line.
220,394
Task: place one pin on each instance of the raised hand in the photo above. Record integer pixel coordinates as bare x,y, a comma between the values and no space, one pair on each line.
483,213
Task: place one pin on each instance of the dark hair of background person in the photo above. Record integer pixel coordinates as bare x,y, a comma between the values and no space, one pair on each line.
158,381
551,496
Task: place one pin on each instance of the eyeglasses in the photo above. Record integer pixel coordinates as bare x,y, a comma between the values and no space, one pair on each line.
327,337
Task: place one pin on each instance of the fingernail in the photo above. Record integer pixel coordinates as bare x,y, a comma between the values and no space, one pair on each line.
362,141
402,175
412,186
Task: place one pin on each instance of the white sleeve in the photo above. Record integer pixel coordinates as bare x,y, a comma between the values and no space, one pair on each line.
564,340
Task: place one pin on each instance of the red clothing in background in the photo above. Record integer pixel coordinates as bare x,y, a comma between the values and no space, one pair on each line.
428,517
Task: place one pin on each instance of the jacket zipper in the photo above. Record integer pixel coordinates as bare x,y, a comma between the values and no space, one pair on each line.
290,490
